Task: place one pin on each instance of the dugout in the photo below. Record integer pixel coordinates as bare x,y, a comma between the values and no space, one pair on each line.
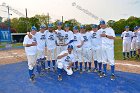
17,37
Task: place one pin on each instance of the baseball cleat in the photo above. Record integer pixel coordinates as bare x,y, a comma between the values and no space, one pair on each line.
32,79
113,77
95,70
104,75
48,69
75,69
90,70
81,71
60,77
100,74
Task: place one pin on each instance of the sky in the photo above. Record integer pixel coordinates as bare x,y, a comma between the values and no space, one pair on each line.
82,10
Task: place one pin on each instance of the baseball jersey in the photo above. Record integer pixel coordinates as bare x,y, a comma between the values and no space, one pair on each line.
134,35
96,39
68,36
67,59
51,40
41,39
127,36
87,40
59,34
106,41
138,36
32,49
77,39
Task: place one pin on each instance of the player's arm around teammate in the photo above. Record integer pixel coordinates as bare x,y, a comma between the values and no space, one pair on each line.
31,49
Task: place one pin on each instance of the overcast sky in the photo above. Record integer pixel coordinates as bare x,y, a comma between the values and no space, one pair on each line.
105,9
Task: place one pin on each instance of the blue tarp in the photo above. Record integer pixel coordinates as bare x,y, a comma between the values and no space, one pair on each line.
14,79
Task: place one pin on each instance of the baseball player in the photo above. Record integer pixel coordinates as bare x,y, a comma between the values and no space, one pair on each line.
60,35
96,47
86,49
127,37
77,44
30,45
133,43
51,46
107,36
64,61
41,40
138,43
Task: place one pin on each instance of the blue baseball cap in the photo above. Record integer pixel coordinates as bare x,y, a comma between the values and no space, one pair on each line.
67,25
42,26
102,22
136,28
82,27
70,46
50,25
75,28
34,28
126,26
94,26
59,23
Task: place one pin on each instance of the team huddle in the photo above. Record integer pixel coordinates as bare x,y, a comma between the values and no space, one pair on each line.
71,51
131,43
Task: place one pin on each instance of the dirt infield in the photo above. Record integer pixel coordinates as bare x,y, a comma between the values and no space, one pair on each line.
18,55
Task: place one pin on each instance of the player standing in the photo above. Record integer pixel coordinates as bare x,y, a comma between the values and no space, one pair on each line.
51,46
133,43
77,44
127,37
31,50
138,43
64,61
107,36
96,47
86,49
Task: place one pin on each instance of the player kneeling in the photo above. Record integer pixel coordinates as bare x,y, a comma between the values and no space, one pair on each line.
65,61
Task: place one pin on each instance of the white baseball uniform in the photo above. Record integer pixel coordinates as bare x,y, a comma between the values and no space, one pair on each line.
60,35
127,37
64,62
51,45
68,36
30,51
133,43
41,39
77,51
96,45
87,48
138,40
108,46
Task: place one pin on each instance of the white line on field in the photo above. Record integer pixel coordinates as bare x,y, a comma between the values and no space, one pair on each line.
128,64
12,56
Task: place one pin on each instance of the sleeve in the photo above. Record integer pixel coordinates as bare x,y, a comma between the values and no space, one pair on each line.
63,52
122,35
25,41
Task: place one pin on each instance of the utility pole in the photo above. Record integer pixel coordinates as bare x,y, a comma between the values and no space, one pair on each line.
62,19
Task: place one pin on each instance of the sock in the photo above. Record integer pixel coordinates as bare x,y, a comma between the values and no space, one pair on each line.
76,64
124,54
100,66
49,63
131,53
85,65
89,65
53,61
80,65
31,72
59,71
112,69
104,67
38,65
128,54
95,63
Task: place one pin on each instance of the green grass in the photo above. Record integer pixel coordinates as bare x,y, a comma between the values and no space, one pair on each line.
118,48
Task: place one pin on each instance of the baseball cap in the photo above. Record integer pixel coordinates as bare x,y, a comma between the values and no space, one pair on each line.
75,28
94,26
70,46
136,28
34,28
126,26
102,22
50,25
42,26
82,27
59,23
